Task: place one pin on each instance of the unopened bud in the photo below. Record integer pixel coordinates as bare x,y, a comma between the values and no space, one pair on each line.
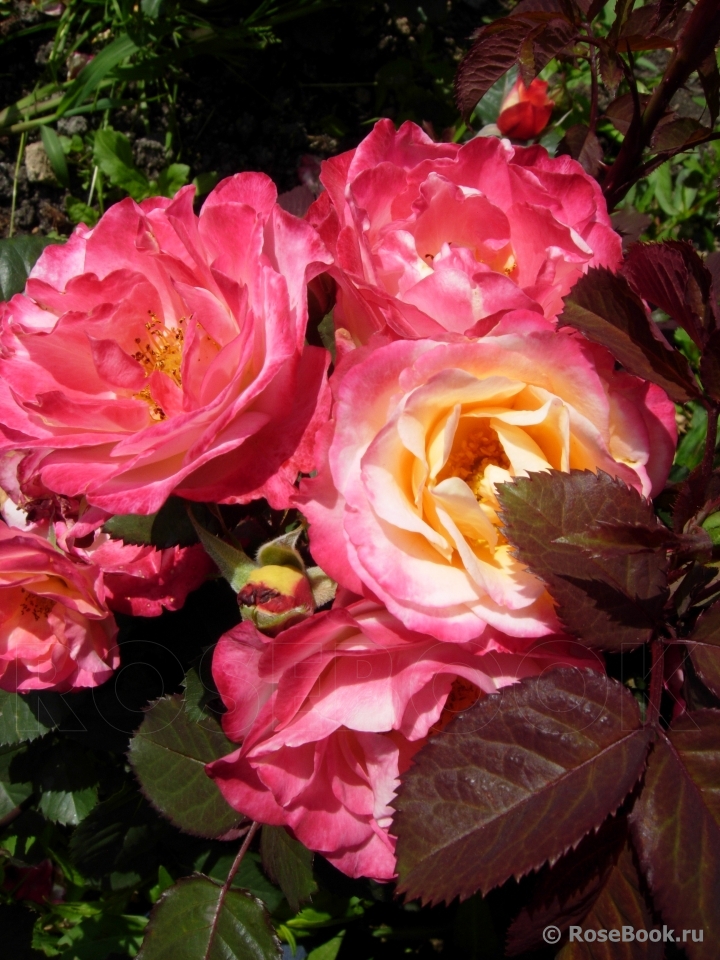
275,597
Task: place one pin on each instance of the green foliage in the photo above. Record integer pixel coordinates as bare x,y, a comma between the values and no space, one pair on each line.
26,717
17,258
113,155
198,919
289,863
168,755
12,788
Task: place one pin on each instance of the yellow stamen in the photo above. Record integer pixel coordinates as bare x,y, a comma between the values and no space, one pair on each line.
472,454
162,351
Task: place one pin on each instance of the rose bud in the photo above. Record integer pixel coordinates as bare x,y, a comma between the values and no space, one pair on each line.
274,597
525,111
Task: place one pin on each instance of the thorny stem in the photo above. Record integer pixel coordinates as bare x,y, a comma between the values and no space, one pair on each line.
697,40
254,827
657,651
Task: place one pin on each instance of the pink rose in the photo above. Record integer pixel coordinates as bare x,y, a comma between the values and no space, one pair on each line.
139,580
431,238
405,507
331,711
525,111
163,352
56,633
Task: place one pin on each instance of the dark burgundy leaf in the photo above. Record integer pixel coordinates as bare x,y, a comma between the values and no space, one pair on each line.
611,72
647,29
621,903
594,8
606,309
609,539
630,223
611,599
582,145
710,366
710,80
564,893
515,781
672,276
676,829
495,50
704,649
552,40
673,134
621,111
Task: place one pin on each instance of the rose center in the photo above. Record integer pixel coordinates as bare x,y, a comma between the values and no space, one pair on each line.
37,607
472,452
160,350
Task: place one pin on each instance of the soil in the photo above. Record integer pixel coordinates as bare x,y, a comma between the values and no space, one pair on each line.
279,110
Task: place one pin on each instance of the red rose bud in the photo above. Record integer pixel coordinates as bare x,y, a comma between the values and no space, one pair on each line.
525,111
275,597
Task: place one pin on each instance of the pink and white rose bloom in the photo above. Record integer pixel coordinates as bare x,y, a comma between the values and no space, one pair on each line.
405,508
56,632
330,713
163,352
436,238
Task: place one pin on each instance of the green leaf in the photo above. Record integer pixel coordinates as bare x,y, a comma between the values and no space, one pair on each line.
323,587
116,837
151,8
564,749
56,155
12,790
172,178
17,258
170,526
204,183
249,876
79,212
29,716
282,551
200,689
113,154
612,598
168,755
676,828
326,330
68,783
95,71
232,562
289,864
603,306
133,528
97,937
198,920
329,950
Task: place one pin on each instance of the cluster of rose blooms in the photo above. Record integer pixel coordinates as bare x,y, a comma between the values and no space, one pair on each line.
164,352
